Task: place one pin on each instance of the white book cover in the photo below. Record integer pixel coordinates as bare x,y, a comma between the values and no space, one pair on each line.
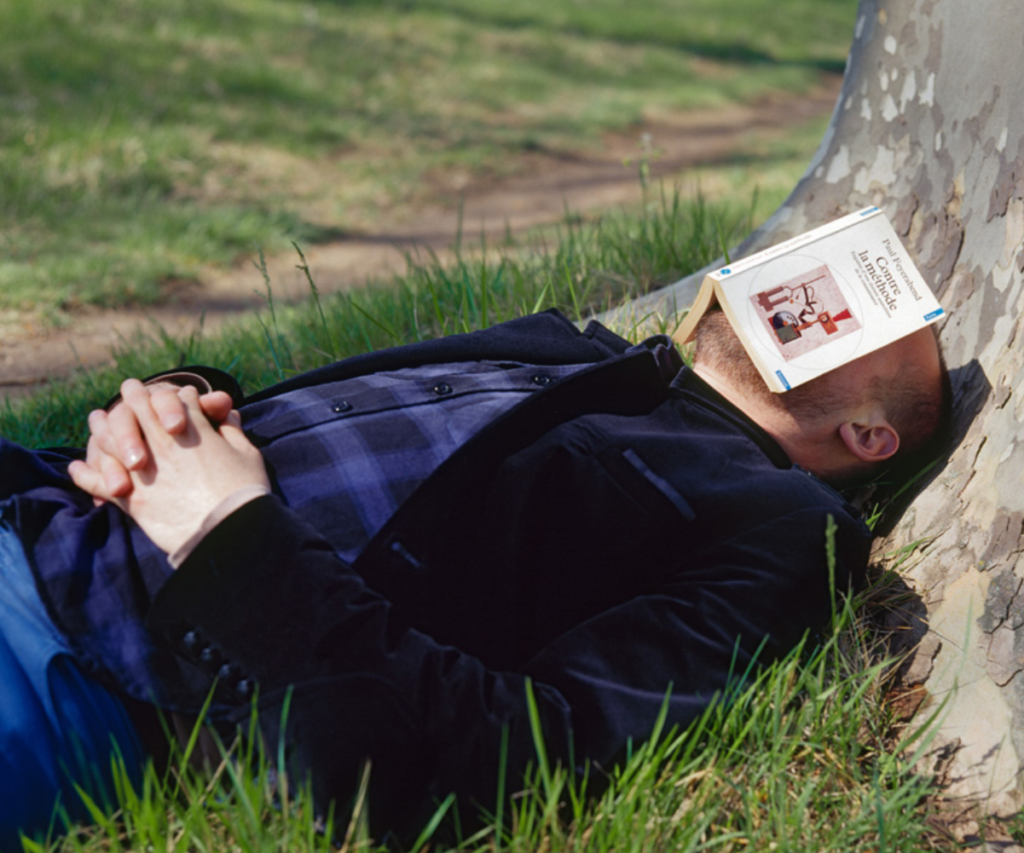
820,300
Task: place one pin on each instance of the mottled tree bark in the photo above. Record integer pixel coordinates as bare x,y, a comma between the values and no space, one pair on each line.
930,127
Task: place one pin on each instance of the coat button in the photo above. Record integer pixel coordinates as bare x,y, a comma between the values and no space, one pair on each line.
244,688
541,379
341,407
190,641
211,656
442,388
226,672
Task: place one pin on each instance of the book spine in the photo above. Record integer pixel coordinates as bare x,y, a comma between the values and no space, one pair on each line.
775,382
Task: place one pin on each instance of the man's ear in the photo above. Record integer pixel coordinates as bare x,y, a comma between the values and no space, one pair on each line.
874,441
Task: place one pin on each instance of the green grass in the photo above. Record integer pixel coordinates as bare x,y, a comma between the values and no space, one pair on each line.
581,268
768,168
144,139
814,33
809,758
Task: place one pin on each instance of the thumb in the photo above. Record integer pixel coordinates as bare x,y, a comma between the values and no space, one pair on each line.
198,420
216,405
93,481
232,432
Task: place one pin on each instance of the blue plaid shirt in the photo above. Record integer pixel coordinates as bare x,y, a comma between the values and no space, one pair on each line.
345,455
367,443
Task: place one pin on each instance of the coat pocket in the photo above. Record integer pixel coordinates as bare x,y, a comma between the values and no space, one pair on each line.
652,491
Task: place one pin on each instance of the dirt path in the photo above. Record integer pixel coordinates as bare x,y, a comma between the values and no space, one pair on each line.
547,186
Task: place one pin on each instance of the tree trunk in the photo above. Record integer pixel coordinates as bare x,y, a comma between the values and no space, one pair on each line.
930,127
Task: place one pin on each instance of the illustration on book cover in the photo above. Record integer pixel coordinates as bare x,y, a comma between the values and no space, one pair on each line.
805,312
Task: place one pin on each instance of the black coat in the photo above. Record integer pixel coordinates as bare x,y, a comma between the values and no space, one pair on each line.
611,541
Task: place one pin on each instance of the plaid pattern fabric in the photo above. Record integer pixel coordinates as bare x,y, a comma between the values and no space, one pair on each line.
367,443
344,454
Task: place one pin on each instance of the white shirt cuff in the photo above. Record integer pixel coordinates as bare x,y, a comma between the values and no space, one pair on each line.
236,499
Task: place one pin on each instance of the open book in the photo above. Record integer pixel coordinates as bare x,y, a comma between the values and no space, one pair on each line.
819,300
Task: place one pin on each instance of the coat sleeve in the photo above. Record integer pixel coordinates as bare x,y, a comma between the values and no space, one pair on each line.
264,601
265,604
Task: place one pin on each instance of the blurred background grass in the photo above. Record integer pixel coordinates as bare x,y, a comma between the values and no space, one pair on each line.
578,268
143,139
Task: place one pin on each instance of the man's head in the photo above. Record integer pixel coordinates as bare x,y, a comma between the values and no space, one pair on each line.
847,425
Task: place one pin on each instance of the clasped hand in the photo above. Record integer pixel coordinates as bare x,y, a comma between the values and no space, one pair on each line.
168,458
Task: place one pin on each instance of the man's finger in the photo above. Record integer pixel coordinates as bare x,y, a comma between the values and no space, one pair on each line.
115,477
102,453
216,405
168,408
91,481
198,422
86,478
136,397
99,431
117,433
232,431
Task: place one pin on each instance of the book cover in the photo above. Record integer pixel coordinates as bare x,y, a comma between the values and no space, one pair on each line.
821,299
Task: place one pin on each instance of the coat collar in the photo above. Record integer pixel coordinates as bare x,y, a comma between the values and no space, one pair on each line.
698,390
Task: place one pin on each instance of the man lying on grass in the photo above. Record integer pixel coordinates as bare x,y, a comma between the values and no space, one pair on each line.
404,546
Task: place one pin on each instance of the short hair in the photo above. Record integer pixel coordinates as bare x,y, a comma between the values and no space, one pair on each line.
917,407
920,411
